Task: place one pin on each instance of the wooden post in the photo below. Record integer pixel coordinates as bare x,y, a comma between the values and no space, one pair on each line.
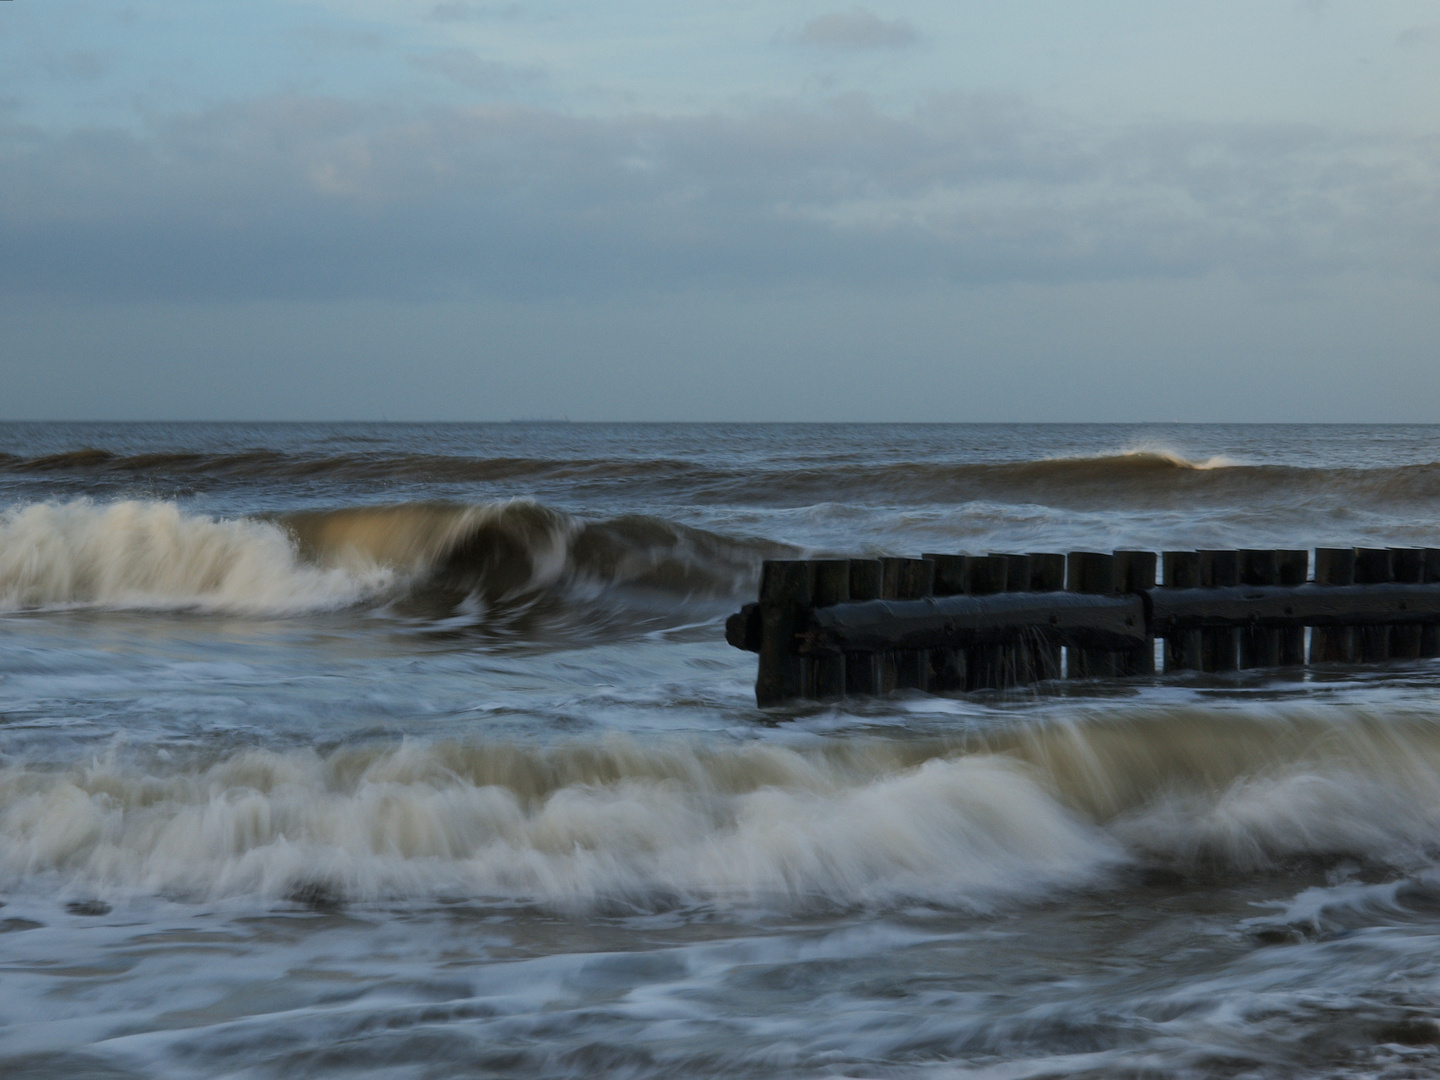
947,666
1135,573
1408,565
1220,649
1047,574
1018,665
1373,566
1430,636
862,669
905,579
949,574
832,586
1333,644
1181,570
785,590
1294,567
985,664
1090,572
1259,648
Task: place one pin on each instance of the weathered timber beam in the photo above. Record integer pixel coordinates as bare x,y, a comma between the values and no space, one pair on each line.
1095,621
1174,610
743,630
1077,619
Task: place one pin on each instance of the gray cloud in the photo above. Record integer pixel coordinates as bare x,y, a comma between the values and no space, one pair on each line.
84,66
297,196
464,11
857,28
465,68
329,36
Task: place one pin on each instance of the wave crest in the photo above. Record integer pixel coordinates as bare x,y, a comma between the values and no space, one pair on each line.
152,554
973,825
1143,475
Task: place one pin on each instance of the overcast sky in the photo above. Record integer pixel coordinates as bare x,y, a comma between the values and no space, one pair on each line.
635,209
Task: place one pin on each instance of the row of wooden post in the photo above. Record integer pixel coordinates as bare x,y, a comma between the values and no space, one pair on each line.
791,589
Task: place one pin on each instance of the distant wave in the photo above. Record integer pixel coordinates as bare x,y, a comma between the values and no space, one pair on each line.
1136,477
976,824
1154,457
152,554
261,464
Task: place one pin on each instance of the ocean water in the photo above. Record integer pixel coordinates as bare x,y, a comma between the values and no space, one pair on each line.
417,751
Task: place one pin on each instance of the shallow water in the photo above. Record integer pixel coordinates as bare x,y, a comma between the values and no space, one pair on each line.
417,751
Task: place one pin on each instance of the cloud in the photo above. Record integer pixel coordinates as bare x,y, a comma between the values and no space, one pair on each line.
84,66
463,11
1418,35
465,68
295,196
857,29
330,36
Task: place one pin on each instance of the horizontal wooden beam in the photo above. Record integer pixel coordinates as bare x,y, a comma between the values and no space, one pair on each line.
1095,621
828,628
1174,610
1079,619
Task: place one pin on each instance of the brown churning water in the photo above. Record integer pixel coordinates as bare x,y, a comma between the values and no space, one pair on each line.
326,749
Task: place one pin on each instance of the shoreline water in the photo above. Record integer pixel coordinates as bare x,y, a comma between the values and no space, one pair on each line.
334,748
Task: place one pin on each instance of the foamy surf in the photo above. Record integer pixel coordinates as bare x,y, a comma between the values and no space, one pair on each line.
568,828
140,554
412,835
145,554
872,822
1160,453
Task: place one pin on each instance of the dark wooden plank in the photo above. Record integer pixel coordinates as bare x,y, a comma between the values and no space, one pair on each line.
1373,566
1294,567
785,591
742,629
1333,645
905,579
1322,606
1259,647
1017,663
1430,636
1102,622
1109,622
1135,573
1407,566
986,575
1181,570
947,666
862,669
1091,572
1219,649
831,587
949,574
1047,574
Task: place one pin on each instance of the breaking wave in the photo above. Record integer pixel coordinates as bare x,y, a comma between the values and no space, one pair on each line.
1141,476
152,554
966,825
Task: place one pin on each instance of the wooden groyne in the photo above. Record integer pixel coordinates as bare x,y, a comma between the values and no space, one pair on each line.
830,628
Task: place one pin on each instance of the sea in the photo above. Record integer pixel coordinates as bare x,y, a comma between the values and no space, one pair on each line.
417,751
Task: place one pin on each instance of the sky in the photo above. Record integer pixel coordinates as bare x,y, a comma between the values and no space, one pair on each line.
796,210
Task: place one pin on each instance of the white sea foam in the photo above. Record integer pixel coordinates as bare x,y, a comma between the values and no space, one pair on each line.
1164,452
151,554
873,823
568,827
1147,452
